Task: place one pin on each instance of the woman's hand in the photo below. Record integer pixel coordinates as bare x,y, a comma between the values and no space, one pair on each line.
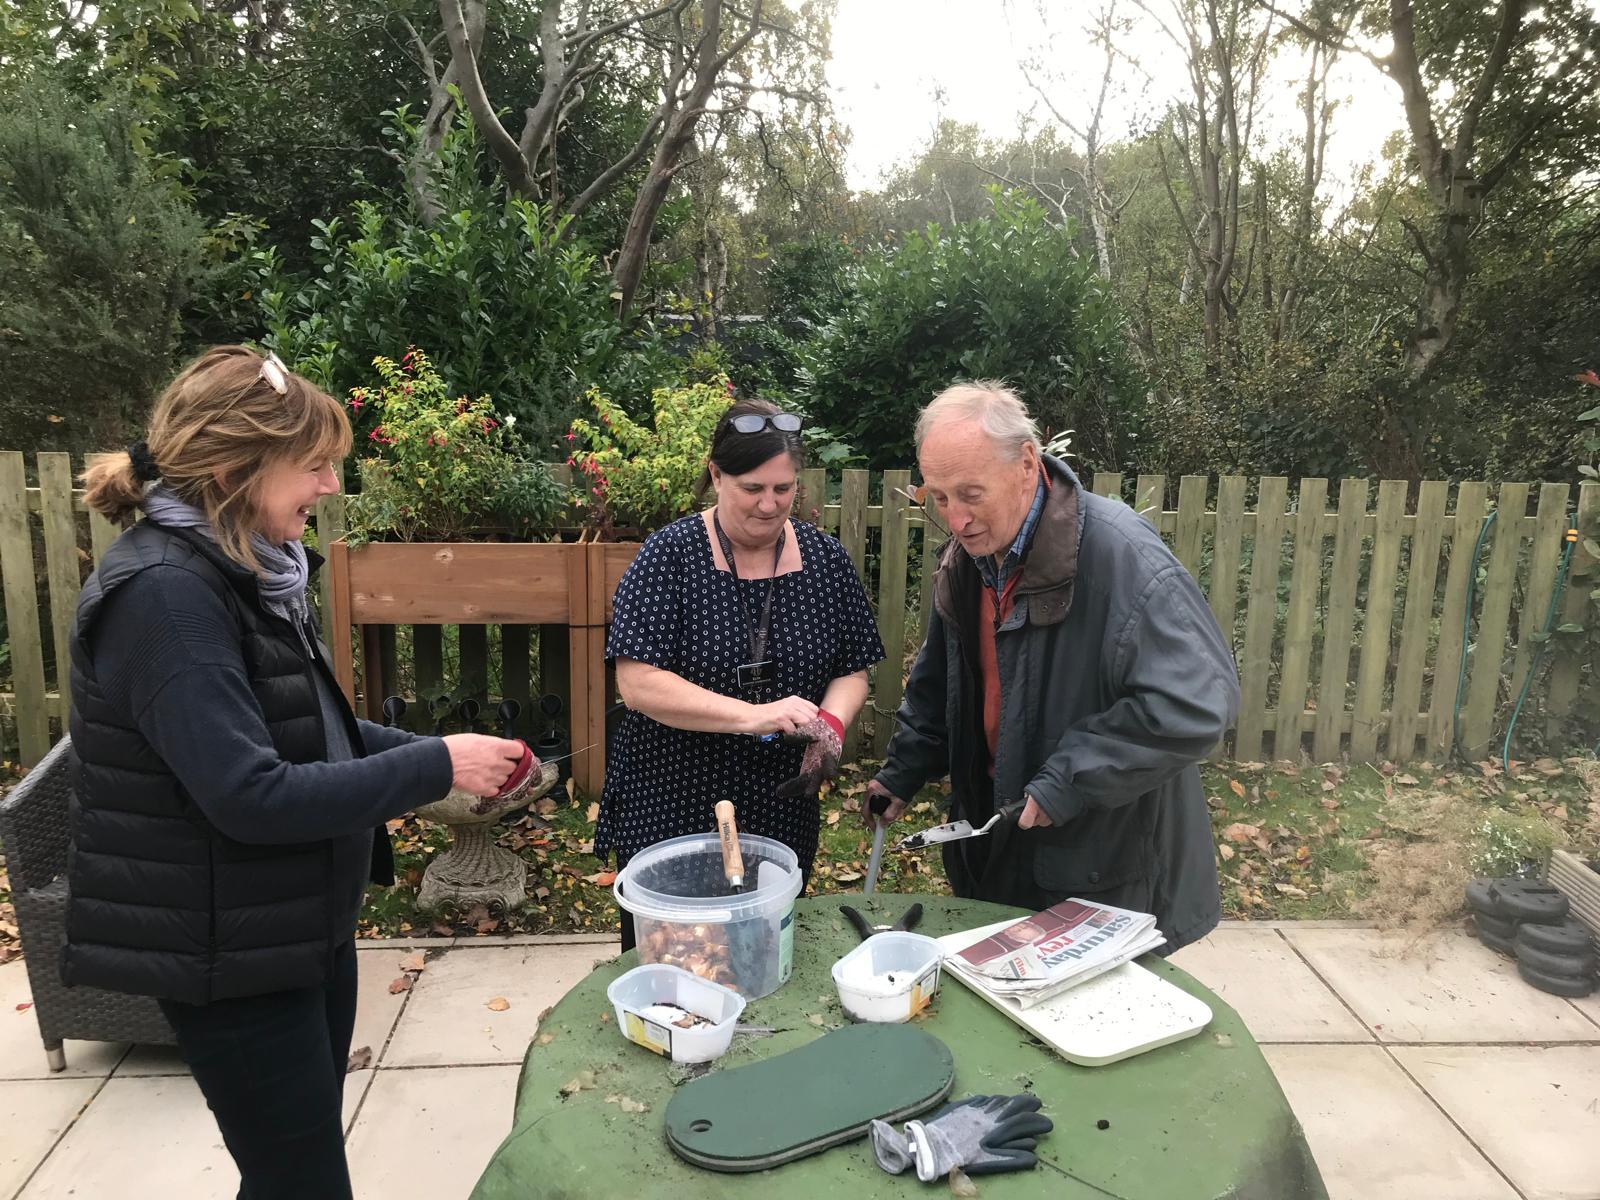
480,764
788,715
824,741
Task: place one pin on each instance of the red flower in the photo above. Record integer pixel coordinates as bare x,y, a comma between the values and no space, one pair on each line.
1589,377
571,436
376,435
489,423
355,404
571,462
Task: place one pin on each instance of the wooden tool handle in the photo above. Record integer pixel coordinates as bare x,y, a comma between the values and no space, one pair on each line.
728,831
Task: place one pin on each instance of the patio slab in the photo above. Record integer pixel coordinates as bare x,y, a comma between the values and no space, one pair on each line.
1442,987
447,1018
1534,1110
430,1132
33,1114
21,1051
1374,1133
140,1137
1269,985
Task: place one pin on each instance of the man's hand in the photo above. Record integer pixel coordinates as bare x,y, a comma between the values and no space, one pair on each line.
890,815
1033,815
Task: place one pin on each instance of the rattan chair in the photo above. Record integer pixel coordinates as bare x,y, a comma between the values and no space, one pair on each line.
34,832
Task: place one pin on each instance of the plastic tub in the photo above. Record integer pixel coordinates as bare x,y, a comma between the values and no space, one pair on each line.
889,978
685,914
634,993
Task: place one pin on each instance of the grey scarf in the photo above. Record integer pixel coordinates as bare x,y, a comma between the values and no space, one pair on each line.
284,570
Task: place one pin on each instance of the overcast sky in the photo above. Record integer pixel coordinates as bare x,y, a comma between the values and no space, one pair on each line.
892,57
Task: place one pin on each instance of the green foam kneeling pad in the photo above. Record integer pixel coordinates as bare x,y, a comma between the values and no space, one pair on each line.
819,1095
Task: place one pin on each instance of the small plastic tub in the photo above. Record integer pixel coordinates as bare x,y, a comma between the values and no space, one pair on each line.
635,993
889,978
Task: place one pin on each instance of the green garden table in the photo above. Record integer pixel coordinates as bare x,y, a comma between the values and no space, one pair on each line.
1201,1119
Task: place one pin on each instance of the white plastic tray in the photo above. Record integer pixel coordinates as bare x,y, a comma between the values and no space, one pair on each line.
1123,1012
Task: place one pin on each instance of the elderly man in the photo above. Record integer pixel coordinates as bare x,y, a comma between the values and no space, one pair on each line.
1072,677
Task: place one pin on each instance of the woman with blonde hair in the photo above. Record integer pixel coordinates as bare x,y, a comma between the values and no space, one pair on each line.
229,808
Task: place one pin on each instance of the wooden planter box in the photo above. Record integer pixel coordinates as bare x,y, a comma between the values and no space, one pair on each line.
486,583
1580,884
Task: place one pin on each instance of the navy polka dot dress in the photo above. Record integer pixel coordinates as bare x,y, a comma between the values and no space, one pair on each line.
675,610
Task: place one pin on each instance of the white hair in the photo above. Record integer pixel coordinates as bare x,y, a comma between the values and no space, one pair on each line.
997,409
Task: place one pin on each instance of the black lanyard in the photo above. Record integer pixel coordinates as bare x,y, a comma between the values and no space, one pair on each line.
757,633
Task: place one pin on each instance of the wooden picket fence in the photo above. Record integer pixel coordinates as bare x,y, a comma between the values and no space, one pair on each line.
1347,621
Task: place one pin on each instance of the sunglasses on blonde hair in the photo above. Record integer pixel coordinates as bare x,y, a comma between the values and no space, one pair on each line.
275,373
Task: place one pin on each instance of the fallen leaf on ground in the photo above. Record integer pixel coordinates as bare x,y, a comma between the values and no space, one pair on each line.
1406,780
847,876
581,1082
960,1185
25,1006
593,814
414,962
360,1060
1226,851
487,925
601,878
833,817
1238,788
498,1004
401,984
544,806
1240,832
1288,889
1329,803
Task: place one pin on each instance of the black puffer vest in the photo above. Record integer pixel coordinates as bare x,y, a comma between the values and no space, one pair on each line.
162,904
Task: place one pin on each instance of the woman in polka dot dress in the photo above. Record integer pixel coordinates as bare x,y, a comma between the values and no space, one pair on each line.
730,626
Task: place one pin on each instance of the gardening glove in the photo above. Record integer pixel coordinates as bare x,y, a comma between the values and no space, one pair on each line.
823,736
983,1135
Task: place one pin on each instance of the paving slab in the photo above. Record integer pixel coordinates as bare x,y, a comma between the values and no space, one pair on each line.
21,1051
151,1061
33,1114
1534,1110
355,1093
430,1132
377,1008
149,1137
447,1018
1441,987
1269,985
1589,1006
1374,1133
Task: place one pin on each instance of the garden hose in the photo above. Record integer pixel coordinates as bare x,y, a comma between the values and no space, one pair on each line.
1544,641
1562,570
1466,622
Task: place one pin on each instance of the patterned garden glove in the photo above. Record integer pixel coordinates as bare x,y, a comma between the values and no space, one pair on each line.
823,736
983,1135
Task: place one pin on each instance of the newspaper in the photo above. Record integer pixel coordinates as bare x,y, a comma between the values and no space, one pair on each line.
1067,944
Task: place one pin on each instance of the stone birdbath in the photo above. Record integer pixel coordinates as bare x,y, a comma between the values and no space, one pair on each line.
473,870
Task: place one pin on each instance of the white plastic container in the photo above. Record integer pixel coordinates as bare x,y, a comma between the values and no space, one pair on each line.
633,994
686,915
889,978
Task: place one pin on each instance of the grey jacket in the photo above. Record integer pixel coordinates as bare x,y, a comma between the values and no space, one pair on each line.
1115,682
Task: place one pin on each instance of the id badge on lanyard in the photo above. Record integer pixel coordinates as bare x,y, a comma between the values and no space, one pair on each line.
760,672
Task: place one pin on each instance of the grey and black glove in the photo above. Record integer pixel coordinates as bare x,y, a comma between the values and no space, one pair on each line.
983,1135
823,736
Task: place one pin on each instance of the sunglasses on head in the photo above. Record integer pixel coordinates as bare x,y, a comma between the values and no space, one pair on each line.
756,422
